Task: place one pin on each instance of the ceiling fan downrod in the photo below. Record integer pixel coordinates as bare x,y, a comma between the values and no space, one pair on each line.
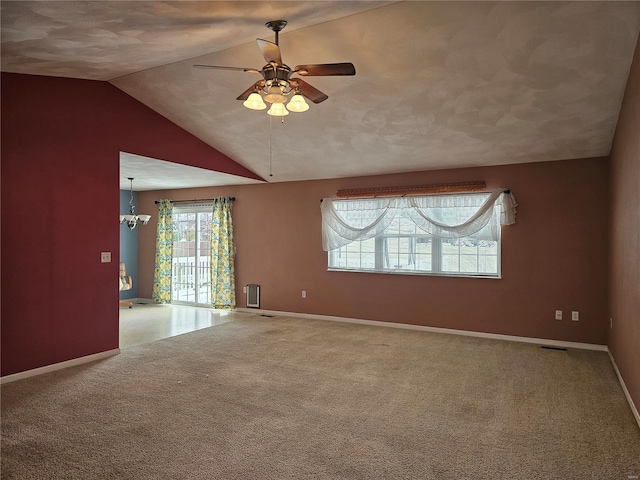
276,26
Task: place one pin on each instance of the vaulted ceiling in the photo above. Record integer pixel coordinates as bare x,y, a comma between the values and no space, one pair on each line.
438,84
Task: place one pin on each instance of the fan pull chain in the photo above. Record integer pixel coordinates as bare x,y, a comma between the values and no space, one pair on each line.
270,134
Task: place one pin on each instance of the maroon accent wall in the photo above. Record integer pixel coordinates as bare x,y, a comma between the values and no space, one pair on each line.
624,337
61,140
554,257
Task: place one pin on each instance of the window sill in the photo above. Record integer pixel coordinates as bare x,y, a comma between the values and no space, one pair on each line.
417,274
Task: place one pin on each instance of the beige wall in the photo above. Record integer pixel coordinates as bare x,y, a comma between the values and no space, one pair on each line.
624,337
555,257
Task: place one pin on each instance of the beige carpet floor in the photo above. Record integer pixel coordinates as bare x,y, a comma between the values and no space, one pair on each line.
287,398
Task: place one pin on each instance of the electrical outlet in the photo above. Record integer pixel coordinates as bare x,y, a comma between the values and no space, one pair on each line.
105,257
304,294
558,314
575,316
244,289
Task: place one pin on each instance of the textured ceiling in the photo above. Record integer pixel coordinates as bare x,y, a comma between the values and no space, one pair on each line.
438,84
153,174
103,40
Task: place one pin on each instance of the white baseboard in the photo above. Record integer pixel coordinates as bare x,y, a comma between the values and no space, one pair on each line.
468,333
510,338
634,410
58,366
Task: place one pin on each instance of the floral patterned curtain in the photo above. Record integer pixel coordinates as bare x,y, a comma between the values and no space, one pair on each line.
223,285
164,253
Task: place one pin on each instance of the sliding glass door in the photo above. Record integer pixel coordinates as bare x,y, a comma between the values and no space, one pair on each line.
191,282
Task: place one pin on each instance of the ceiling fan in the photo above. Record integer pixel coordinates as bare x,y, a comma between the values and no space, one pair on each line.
276,83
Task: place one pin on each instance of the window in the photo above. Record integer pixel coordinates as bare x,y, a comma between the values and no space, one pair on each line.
416,253
437,234
191,282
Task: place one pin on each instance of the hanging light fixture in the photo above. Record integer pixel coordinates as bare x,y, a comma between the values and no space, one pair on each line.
132,219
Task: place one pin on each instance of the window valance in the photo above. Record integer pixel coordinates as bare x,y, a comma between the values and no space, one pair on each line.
444,216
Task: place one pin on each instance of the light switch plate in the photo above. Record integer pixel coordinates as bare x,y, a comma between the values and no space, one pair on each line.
105,257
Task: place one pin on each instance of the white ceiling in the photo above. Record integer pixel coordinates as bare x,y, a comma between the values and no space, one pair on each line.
438,84
153,174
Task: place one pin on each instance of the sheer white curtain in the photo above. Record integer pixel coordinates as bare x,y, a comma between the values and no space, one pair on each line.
444,216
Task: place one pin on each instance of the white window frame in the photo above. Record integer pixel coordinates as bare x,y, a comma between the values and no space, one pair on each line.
436,261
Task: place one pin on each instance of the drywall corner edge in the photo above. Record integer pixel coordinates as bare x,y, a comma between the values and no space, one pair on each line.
632,405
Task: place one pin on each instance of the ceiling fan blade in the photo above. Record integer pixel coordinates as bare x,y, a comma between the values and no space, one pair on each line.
237,69
325,69
312,93
244,95
270,51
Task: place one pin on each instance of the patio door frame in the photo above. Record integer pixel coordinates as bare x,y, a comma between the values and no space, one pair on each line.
200,271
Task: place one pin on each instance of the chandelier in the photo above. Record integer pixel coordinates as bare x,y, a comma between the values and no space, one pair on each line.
132,219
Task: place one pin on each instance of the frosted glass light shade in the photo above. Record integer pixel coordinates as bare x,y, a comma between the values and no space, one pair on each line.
278,110
297,104
275,95
254,102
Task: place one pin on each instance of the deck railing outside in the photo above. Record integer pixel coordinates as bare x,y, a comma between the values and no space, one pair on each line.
189,275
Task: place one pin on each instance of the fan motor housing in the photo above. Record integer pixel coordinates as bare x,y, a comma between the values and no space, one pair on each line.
279,74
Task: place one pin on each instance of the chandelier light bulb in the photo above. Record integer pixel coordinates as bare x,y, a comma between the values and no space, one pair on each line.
254,102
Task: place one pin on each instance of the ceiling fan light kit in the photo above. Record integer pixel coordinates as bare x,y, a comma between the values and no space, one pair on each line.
275,94
277,84
255,102
297,104
278,110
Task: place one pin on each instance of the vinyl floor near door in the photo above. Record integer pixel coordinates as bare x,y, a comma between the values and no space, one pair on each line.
146,323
